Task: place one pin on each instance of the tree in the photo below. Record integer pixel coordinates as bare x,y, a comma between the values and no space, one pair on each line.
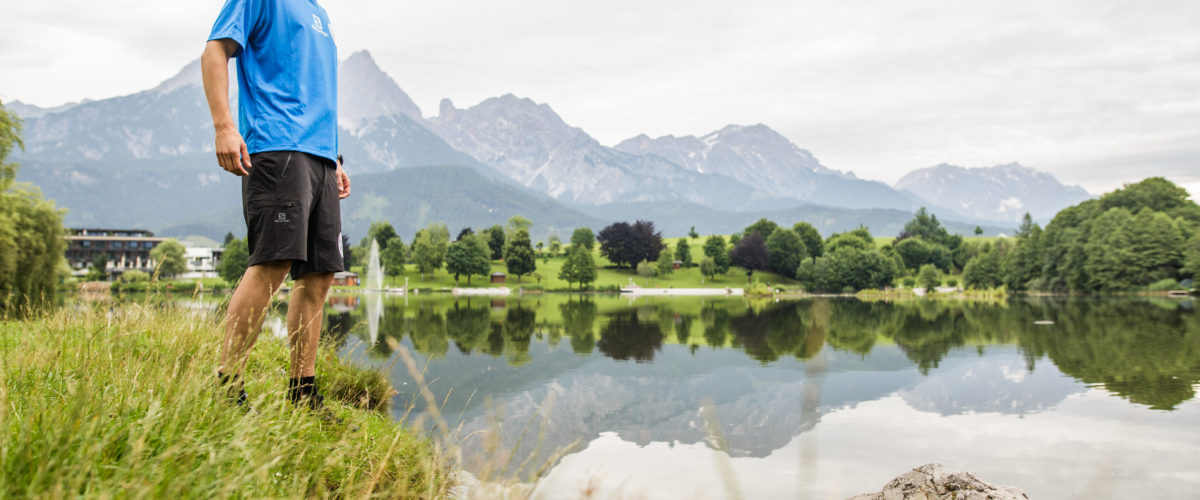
468,256
645,269
555,245
848,268
708,267
849,240
785,250
929,277
750,253
665,264
229,238
429,248
169,258
393,257
763,227
926,226
583,237
978,231
579,267
683,252
692,233
466,231
347,252
233,261
985,270
1191,258
31,233
495,241
514,224
99,269
714,248
627,244
518,254
813,242
381,232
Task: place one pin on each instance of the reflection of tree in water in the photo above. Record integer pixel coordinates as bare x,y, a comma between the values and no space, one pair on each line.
683,328
777,330
579,321
625,337
928,332
1140,350
429,332
468,326
519,324
337,328
716,325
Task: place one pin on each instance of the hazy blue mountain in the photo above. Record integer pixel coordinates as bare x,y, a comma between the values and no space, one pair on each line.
767,161
999,193
531,144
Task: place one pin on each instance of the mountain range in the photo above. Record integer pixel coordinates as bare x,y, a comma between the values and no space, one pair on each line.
145,160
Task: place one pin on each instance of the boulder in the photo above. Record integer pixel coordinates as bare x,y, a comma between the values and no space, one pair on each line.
935,482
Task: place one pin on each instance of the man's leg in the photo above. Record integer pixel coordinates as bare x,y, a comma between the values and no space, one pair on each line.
304,318
247,309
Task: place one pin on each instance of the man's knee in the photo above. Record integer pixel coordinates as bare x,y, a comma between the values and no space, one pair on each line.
315,283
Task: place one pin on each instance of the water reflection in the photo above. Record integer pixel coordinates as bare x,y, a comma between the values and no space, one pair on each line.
573,369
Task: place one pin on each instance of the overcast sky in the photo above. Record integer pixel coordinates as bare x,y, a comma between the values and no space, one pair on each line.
1097,92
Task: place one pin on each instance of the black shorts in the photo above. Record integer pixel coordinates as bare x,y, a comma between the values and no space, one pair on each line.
290,201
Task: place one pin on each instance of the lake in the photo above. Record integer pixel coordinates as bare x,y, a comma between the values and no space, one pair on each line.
685,397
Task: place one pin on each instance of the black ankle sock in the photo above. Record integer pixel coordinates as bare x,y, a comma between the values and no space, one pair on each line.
299,388
227,379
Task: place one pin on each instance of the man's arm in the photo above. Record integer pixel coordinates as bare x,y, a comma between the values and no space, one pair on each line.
214,65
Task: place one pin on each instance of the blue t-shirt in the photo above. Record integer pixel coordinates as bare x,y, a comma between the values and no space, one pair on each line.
287,74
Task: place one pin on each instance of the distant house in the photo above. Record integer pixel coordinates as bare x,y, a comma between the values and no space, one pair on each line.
202,262
677,264
499,277
345,278
125,248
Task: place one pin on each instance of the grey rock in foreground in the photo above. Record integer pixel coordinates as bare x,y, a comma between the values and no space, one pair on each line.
935,482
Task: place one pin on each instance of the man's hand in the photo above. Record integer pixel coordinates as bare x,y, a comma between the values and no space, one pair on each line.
343,182
232,153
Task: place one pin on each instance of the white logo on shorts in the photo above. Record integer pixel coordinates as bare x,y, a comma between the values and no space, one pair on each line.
282,217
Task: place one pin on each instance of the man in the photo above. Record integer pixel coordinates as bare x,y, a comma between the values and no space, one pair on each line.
283,148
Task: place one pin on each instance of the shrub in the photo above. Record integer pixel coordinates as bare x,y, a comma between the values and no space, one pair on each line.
952,282
909,282
1164,285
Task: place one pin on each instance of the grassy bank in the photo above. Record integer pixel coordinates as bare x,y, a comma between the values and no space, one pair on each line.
101,402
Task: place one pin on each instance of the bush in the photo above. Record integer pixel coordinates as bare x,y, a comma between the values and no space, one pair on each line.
645,269
1164,285
909,282
135,276
952,282
758,288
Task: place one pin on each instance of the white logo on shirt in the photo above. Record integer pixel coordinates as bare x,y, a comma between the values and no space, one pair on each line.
316,25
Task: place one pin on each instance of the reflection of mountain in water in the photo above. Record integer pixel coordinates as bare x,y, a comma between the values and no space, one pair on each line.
563,369
967,383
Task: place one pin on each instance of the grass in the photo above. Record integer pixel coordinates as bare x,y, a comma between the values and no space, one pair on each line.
119,402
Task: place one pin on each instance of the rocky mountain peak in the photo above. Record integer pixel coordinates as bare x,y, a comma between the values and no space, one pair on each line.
998,193
365,91
188,76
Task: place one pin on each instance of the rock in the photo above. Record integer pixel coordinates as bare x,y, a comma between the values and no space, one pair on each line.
935,482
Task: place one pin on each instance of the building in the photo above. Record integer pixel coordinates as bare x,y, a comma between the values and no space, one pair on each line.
345,278
125,248
202,262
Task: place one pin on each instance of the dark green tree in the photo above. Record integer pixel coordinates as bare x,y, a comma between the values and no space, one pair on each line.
692,233
665,264
813,242
99,268
381,232
714,248
785,250
978,231
495,241
763,226
468,256
626,244
233,261
683,252
228,238
518,254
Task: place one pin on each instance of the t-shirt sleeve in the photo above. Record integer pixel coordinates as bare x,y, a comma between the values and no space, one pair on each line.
237,20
